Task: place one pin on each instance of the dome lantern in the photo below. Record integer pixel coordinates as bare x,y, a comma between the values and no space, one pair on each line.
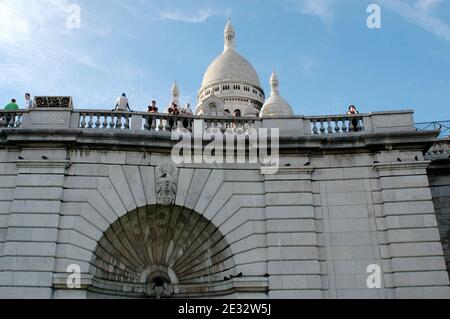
229,35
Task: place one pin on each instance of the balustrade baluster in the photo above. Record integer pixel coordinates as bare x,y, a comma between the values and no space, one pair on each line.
19,120
345,127
105,121
153,125
97,122
315,130
147,120
127,122
337,127
322,128
111,124
330,127
90,121
83,120
161,124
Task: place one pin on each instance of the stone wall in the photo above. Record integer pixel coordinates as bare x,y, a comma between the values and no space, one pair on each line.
439,176
338,204
306,232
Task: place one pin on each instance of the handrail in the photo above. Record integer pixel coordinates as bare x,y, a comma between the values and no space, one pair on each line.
442,126
11,118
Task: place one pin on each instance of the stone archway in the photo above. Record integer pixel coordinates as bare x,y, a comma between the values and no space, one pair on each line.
160,252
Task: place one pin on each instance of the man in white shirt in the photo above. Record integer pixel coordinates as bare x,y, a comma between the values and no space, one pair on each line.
122,103
28,102
187,110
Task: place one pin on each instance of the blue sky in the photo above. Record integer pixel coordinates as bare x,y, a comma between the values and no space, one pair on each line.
325,55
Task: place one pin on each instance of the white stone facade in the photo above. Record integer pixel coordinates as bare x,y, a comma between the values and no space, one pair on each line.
339,203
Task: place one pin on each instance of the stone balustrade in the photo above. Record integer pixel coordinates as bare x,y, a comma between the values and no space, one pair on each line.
337,124
329,125
11,119
156,122
440,149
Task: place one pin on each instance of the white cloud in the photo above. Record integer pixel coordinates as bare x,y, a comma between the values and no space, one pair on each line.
421,13
197,17
308,64
182,11
322,9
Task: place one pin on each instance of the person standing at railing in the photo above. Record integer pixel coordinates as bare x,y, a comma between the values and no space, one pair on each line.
28,101
12,106
153,108
353,111
173,110
188,112
9,107
122,104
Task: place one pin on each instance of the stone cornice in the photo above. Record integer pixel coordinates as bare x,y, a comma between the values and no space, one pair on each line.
288,170
401,166
43,164
162,142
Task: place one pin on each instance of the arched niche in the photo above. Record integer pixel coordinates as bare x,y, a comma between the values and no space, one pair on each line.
161,252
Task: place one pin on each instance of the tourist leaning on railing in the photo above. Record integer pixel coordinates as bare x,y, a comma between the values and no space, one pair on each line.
122,104
28,101
12,106
153,108
353,111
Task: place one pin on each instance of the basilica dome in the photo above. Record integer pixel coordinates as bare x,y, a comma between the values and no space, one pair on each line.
231,66
231,79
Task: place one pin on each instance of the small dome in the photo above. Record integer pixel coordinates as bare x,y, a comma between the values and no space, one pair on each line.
276,105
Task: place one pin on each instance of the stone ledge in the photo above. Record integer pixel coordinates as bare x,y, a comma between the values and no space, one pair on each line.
401,166
43,164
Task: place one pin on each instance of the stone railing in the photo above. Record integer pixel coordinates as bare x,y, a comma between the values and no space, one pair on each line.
155,122
337,124
440,149
329,125
103,120
11,119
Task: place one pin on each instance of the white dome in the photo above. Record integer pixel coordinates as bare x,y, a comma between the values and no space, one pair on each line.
231,66
276,105
232,79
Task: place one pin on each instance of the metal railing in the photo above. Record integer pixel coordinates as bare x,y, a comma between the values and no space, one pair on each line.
442,126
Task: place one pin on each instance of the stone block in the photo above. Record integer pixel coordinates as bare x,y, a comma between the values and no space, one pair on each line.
35,235
410,194
121,186
416,249
288,199
34,220
292,253
288,212
288,186
417,264
36,206
413,235
292,225
29,249
6,194
297,267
